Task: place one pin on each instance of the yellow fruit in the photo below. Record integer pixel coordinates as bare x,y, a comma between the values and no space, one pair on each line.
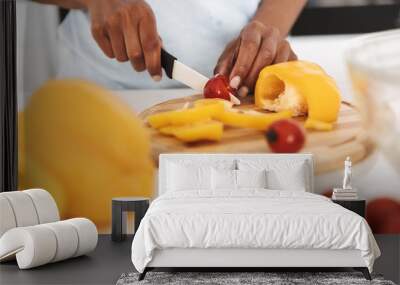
199,131
300,86
184,116
85,147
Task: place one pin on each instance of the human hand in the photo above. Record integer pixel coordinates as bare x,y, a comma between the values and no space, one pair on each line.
257,46
127,30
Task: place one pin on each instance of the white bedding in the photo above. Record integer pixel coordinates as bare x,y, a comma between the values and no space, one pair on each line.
252,218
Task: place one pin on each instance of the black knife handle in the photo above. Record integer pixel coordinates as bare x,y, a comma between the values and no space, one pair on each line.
167,62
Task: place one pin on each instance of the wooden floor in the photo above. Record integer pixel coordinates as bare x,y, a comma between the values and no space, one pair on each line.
110,260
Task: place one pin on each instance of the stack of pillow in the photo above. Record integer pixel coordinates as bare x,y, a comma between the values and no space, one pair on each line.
289,175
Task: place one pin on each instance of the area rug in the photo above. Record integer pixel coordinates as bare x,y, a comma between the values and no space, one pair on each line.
243,278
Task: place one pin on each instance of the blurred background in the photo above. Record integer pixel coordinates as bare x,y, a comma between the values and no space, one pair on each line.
347,17
37,30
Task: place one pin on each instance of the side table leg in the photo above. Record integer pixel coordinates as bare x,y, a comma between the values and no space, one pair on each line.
140,211
118,230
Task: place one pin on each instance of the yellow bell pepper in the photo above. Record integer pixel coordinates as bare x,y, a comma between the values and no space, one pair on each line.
302,87
79,144
199,131
184,116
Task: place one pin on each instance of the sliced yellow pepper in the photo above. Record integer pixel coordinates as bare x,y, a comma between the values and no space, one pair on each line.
318,125
184,116
243,118
208,130
250,119
302,87
210,101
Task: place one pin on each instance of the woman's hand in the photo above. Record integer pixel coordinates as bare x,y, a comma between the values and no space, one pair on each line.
127,30
257,46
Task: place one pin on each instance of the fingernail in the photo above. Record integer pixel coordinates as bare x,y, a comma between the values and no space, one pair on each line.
156,77
235,82
243,91
234,100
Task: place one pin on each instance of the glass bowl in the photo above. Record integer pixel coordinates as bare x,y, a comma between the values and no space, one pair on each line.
373,62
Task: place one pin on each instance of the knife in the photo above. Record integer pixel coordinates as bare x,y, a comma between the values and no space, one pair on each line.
175,69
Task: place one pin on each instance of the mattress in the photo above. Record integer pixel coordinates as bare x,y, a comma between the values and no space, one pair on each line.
251,219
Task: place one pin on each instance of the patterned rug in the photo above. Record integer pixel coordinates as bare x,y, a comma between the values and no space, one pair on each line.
243,278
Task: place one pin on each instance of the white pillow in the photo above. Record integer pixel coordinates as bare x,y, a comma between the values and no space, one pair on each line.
282,174
203,161
181,177
294,180
223,179
251,178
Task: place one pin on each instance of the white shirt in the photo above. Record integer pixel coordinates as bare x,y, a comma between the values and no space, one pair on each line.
195,31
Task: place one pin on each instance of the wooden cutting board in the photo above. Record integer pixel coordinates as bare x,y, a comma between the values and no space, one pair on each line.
329,148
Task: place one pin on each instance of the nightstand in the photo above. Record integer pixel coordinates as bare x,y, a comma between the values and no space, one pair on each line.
120,206
356,206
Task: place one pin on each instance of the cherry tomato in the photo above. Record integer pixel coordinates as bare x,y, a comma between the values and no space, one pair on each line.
218,87
379,211
285,136
328,193
391,225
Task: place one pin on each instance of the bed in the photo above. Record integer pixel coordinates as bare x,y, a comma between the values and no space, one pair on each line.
246,211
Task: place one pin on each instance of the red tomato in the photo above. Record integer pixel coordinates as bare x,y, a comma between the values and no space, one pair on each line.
379,211
391,225
328,193
285,136
218,87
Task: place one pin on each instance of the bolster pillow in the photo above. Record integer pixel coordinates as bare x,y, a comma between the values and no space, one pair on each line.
26,208
40,244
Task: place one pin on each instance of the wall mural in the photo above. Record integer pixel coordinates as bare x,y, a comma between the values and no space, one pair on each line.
95,129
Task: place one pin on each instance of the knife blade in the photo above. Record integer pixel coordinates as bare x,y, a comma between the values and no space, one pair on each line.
175,69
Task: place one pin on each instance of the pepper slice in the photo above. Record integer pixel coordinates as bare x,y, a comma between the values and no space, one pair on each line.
243,118
250,119
184,116
318,125
199,131
207,102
